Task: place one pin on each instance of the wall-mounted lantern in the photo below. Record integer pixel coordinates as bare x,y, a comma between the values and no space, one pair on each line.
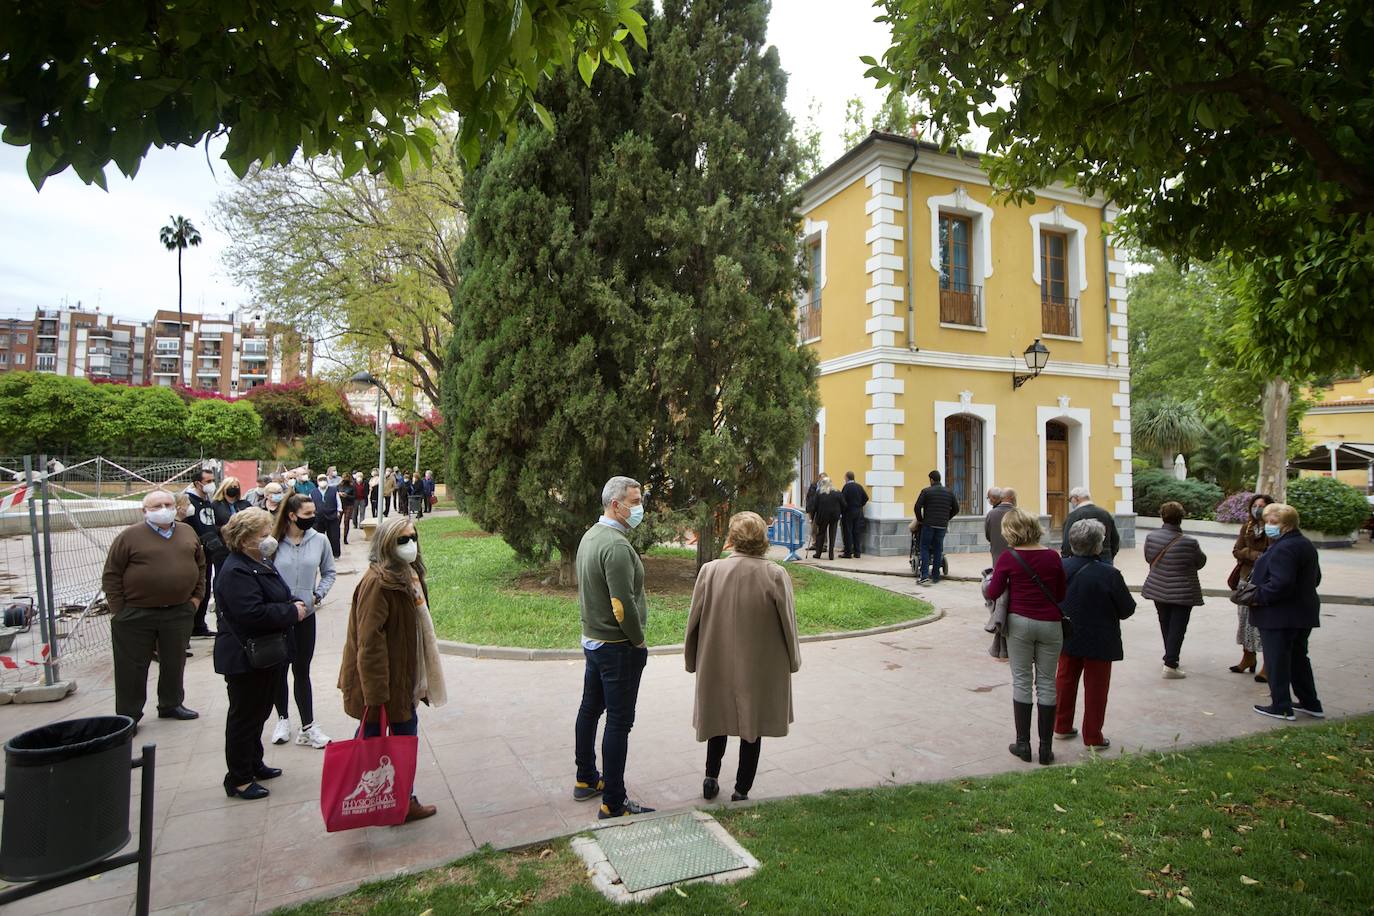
1037,357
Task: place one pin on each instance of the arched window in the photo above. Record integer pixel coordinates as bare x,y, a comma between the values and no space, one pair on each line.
964,461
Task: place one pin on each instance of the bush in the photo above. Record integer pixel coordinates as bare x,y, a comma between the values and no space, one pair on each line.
1156,486
1325,504
1235,508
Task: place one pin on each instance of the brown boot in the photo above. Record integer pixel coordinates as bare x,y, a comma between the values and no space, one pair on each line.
419,812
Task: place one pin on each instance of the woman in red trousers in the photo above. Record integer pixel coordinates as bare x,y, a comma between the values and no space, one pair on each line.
1096,602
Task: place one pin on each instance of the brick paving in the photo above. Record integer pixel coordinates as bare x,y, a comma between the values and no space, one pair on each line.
922,704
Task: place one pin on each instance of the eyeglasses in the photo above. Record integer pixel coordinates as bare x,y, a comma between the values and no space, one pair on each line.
407,538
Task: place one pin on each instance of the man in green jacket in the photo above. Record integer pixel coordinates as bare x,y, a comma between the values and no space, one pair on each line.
610,592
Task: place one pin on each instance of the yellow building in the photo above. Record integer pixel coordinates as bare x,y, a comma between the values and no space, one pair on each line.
917,367
1344,415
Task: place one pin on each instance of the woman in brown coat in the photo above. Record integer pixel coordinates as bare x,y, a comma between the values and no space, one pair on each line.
742,644
1250,543
391,655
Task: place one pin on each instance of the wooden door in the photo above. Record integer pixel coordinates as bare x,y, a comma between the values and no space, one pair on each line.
1057,482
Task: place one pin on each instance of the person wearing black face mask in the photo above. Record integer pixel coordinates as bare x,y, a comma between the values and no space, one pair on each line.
305,563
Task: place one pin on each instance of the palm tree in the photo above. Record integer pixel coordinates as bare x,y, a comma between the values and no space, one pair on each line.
176,237
1167,427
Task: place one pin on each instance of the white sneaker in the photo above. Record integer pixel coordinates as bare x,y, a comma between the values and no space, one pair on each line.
1173,674
282,733
311,736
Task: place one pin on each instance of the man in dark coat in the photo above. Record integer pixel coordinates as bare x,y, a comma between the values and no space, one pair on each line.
809,506
992,522
329,507
935,507
1081,501
855,498
202,521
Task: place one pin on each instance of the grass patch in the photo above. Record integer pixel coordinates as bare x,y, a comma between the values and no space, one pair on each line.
1281,822
481,593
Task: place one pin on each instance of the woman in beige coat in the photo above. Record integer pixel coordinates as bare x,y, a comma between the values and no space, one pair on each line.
742,644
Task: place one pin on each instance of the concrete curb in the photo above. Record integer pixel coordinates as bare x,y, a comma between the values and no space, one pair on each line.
513,653
1363,600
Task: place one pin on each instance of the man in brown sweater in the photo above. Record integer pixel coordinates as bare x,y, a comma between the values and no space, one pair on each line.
154,580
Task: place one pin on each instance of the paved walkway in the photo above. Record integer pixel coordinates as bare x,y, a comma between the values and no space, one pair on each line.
923,704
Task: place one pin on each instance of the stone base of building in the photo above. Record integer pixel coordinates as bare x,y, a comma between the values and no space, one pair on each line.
892,537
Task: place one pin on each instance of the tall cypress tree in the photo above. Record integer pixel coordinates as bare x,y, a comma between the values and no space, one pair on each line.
717,268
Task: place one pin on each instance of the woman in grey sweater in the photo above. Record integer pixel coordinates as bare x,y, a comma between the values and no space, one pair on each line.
306,562
1172,582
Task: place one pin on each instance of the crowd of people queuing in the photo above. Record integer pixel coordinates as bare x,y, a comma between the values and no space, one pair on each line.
1055,614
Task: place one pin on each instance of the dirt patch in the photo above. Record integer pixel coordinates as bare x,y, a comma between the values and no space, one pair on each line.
467,534
663,576
559,869
431,881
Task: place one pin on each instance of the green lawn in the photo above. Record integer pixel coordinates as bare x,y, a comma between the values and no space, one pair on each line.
1280,823
473,594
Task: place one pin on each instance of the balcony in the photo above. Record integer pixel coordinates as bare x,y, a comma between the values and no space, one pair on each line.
808,323
1059,316
46,347
962,304
211,371
166,368
47,329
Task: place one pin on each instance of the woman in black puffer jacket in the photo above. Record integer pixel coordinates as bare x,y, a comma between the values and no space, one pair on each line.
1172,583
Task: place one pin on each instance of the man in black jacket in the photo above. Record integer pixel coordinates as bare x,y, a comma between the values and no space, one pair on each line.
329,507
936,505
809,507
1081,502
202,521
855,498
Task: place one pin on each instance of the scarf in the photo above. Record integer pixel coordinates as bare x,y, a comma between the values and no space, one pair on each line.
429,673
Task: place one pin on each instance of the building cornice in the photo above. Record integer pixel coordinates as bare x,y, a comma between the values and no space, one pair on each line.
939,359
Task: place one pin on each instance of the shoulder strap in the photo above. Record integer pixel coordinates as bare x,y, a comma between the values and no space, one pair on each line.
1161,554
1026,566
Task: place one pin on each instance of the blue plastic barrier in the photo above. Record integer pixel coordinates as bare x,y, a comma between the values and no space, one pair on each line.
788,530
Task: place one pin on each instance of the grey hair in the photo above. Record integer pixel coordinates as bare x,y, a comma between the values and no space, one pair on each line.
616,488
1086,537
1080,493
994,492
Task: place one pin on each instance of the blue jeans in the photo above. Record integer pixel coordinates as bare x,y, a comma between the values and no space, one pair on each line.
374,729
932,552
610,684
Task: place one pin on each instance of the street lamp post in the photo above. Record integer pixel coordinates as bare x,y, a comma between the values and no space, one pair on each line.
367,378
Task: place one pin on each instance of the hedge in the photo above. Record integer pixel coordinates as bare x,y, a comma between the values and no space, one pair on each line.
1155,486
1325,504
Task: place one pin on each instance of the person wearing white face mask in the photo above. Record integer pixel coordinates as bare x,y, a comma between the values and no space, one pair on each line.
154,579
1286,609
256,613
203,521
391,654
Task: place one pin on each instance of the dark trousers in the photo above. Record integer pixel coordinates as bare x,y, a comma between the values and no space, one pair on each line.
347,522
374,729
932,552
136,633
331,531
610,684
825,536
853,524
1173,626
1287,665
250,703
198,619
300,669
1097,678
748,761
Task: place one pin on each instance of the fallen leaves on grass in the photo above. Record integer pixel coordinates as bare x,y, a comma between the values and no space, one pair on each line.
1206,833
1330,819
1247,880
1066,811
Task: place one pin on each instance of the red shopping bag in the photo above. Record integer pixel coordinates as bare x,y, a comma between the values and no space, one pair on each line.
367,781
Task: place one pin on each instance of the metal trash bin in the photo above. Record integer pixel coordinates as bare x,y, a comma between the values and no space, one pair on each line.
66,797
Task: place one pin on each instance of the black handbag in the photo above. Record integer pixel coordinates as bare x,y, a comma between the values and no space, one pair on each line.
1064,622
262,651
1246,594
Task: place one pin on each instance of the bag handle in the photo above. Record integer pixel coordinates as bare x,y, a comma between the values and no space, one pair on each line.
1048,597
385,731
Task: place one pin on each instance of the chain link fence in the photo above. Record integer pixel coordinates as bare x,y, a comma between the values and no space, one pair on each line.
56,525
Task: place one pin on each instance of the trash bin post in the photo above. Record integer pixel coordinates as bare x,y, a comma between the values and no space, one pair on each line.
148,763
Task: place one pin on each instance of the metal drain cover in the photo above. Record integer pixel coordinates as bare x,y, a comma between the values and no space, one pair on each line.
665,850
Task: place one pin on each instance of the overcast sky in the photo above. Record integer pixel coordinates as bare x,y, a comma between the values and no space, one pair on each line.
73,243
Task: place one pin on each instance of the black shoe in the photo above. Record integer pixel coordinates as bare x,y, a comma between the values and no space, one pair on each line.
625,810
250,792
1106,743
709,788
178,712
1274,712
190,654
584,791
1309,711
739,796
263,771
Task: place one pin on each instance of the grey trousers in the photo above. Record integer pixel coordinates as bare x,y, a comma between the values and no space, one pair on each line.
1033,653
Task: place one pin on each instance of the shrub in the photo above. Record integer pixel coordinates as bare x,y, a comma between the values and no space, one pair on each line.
1156,486
1325,504
1235,508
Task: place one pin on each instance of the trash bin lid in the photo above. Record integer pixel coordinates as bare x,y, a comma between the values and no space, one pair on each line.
67,740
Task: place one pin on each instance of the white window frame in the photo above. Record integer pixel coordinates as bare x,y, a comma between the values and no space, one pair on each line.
988,414
814,233
1075,258
959,203
1079,421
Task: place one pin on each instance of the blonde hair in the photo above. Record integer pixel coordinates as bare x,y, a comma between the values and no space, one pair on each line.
240,530
183,505
1284,514
225,484
748,534
1020,528
382,554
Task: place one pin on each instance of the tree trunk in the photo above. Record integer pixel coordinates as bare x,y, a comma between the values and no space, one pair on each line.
567,569
1273,459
